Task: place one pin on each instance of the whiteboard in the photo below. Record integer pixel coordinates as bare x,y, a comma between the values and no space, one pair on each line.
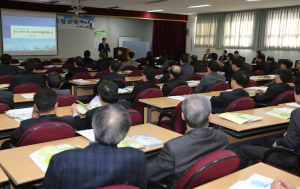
121,39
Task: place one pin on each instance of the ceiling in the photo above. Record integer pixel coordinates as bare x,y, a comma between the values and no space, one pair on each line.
179,6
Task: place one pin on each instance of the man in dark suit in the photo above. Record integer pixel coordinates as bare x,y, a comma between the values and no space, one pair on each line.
78,63
297,73
195,63
101,163
262,64
6,68
170,58
87,58
186,69
272,64
254,61
54,81
107,94
214,56
104,47
144,62
206,55
102,64
237,54
28,76
7,97
239,81
162,58
174,81
226,68
166,76
148,77
180,154
290,139
44,110
223,57
282,77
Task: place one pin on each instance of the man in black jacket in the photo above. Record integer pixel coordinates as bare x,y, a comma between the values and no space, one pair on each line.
254,61
223,57
28,76
195,63
206,55
102,64
272,64
162,58
166,76
297,73
78,63
6,68
7,97
144,62
262,64
174,81
226,67
104,47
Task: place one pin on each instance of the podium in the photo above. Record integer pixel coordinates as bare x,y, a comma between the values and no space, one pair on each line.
121,52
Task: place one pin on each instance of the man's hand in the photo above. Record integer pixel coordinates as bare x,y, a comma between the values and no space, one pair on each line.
284,134
259,91
282,184
35,113
275,144
73,109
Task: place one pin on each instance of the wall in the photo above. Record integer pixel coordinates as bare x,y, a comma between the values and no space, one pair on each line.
249,54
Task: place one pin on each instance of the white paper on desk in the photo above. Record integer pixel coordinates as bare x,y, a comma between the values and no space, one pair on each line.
271,76
180,98
81,81
129,71
28,96
260,181
294,104
192,81
257,88
23,111
243,185
285,110
192,84
128,89
123,90
4,86
89,134
89,69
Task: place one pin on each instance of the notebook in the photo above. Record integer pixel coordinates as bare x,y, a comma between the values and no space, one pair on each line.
180,98
240,118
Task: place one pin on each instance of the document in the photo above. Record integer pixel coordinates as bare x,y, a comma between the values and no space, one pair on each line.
283,113
180,98
240,118
123,90
193,81
4,86
28,96
257,88
140,141
294,104
129,89
82,109
22,114
81,81
89,134
192,84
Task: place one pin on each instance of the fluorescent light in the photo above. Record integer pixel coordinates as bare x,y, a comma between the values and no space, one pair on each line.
252,0
198,6
155,11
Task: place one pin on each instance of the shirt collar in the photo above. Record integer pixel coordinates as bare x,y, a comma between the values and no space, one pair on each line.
188,130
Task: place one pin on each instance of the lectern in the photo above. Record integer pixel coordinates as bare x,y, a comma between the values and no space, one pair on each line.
120,52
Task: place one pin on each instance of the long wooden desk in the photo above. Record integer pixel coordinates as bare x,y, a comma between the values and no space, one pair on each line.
21,169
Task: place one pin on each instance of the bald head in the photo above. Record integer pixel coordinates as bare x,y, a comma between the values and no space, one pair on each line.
270,59
175,71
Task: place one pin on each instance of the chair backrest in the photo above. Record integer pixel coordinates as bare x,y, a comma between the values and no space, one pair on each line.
110,58
274,72
26,88
285,97
181,90
132,68
22,63
55,60
101,73
139,60
155,81
37,60
58,70
68,66
67,100
251,83
158,72
136,73
71,60
209,168
39,67
46,132
203,69
46,62
292,79
120,82
195,77
221,86
120,187
14,61
4,79
136,117
257,73
244,103
82,75
179,123
123,59
3,108
89,65
181,78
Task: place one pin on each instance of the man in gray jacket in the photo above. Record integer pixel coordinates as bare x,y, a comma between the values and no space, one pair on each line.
186,69
130,61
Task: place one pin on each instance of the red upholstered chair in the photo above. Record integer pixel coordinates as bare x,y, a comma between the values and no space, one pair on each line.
5,79
40,67
120,80
136,117
69,63
274,72
252,67
46,132
26,88
82,75
14,61
181,90
195,77
123,59
56,60
132,68
3,108
120,187
68,66
58,70
169,79
203,69
37,60
110,58
257,73
155,81
100,74
285,97
139,60
67,100
136,73
46,62
158,72
244,103
292,79
148,93
22,63
71,60
251,83
89,65
221,86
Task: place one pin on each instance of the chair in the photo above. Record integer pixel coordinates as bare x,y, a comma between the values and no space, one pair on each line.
14,61
46,132
136,73
292,79
26,88
3,108
22,63
67,100
69,63
120,187
244,103
46,62
40,67
274,72
58,70
100,74
68,66
195,77
139,60
251,83
56,60
285,97
37,60
5,79
136,117
203,69
123,59
132,68
82,75
155,81
257,73
221,86
71,60
110,58
158,72
89,65
181,78
120,80
181,90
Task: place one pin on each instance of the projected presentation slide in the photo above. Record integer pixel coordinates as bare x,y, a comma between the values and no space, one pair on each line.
27,35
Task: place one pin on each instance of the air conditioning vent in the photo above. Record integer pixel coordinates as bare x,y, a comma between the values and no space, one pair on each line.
158,1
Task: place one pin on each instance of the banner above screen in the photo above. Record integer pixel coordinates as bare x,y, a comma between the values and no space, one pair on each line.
87,22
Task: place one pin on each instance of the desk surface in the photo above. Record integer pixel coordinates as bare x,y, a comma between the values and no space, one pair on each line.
3,177
260,168
21,169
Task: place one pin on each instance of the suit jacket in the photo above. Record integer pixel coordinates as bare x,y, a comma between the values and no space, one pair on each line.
27,124
108,77
88,60
130,62
180,154
273,66
9,70
161,61
139,88
197,66
26,77
104,47
101,65
254,61
7,97
297,73
166,64
96,166
73,71
164,78
262,66
272,92
186,71
172,84
208,81
62,92
144,62
219,103
228,71
247,68
208,57
222,58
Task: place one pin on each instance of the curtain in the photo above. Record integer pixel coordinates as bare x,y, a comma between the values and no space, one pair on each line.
168,35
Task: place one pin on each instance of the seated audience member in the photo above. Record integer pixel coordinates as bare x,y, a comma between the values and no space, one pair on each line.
7,97
282,77
228,58
144,62
174,81
286,64
186,69
6,68
226,68
237,54
162,58
254,61
272,64
170,58
107,93
87,58
206,55
78,63
28,76
290,139
180,154
297,73
151,62
54,81
102,64
130,61
223,57
44,110
247,68
212,78
239,81
195,63
262,65
237,64
148,77
101,163
214,56
166,76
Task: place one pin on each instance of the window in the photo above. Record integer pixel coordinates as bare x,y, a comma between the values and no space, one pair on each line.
206,30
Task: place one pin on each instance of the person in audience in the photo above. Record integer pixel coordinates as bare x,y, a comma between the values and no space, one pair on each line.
262,65
254,61
78,63
7,97
101,163
226,68
290,139
166,76
214,56
54,81
162,58
151,62
102,64
130,61
284,64
44,110
281,79
28,76
174,81
239,81
237,64
272,64
180,154
87,58
228,57
206,55
107,94
282,184
186,69
144,62
148,77
212,78
223,57
170,58
195,63
237,54
6,68
297,73
247,67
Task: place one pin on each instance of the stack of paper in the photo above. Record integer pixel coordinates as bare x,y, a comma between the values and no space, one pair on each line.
180,98
140,141
192,81
80,81
192,84
22,114
256,181
89,134
158,76
123,91
129,89
240,118
4,86
257,88
294,104
28,96
284,113
54,66
129,71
